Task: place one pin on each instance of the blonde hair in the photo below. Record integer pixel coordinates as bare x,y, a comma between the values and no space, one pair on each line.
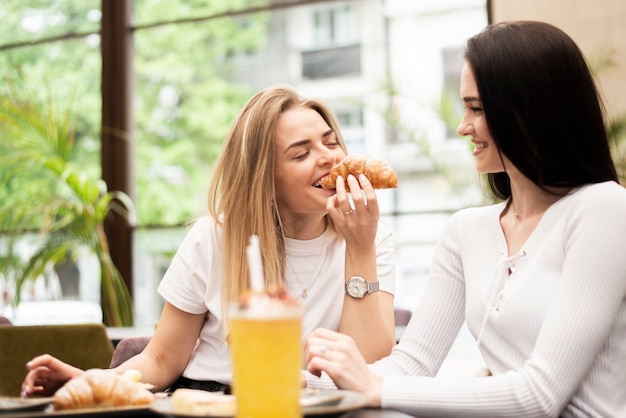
242,196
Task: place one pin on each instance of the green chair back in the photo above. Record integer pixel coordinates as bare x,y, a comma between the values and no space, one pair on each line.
82,345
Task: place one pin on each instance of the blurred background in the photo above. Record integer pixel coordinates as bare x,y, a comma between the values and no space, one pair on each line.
135,97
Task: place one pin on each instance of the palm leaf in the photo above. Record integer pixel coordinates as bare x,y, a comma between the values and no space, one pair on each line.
62,203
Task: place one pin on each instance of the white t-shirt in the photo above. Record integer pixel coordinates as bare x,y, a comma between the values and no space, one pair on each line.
553,332
192,284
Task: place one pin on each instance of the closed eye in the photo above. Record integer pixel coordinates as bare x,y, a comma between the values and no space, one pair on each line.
302,156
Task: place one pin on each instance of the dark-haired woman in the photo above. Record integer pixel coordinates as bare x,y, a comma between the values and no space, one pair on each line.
540,277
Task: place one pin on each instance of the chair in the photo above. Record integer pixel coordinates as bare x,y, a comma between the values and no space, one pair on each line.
82,345
127,348
402,316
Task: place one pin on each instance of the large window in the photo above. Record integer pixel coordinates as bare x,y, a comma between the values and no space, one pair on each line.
194,64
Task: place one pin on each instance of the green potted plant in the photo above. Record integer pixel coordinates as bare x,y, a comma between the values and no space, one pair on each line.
49,193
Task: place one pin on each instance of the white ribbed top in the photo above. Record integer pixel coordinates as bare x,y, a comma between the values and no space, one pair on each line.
553,332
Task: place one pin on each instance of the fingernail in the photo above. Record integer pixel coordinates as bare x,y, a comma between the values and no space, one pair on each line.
25,393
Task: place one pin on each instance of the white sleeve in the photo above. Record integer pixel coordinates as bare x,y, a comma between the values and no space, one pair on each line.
188,278
584,328
385,259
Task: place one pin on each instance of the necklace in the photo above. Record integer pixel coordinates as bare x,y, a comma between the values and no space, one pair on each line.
516,215
313,273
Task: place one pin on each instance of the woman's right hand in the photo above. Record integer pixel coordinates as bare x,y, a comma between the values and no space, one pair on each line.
338,355
46,374
357,222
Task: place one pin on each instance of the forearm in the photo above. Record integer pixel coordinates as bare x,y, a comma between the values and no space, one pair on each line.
368,320
166,356
155,370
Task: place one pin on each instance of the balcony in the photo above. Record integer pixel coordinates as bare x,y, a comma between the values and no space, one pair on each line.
332,62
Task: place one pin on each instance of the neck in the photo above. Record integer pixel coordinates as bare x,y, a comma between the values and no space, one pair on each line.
528,202
305,230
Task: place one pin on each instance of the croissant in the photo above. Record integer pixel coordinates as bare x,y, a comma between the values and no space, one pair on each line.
101,388
376,171
199,402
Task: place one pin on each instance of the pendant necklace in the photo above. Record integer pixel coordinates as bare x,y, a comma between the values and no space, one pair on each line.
305,293
516,215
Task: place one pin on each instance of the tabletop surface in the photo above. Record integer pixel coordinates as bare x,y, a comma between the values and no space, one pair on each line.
124,412
357,413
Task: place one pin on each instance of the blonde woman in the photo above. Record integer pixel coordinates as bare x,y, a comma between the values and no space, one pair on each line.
313,241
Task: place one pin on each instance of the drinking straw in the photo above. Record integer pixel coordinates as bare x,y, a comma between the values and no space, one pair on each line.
255,265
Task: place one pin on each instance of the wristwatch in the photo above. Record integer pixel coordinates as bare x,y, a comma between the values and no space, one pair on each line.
357,287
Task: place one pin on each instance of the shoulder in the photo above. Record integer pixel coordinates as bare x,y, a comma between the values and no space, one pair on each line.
478,216
202,225
466,225
202,233
607,197
597,203
202,222
606,191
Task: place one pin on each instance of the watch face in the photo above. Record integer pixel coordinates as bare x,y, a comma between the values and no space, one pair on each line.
356,287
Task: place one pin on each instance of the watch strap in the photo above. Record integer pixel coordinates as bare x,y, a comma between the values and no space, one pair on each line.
373,286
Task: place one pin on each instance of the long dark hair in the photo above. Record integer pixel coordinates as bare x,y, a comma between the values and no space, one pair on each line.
541,105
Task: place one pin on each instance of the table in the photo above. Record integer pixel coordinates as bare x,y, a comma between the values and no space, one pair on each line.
42,408
375,413
357,413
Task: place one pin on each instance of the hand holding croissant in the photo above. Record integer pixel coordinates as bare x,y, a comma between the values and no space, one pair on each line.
376,171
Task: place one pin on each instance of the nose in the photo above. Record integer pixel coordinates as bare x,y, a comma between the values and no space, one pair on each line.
328,156
465,127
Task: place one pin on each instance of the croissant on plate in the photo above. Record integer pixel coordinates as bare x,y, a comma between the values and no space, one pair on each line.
101,388
376,171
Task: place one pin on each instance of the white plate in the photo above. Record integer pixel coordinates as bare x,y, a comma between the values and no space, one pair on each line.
314,402
45,410
15,404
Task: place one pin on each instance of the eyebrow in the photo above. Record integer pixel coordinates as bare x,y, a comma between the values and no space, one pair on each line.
471,99
307,141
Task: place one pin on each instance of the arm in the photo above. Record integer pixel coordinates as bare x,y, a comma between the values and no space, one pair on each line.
369,320
570,363
160,363
165,357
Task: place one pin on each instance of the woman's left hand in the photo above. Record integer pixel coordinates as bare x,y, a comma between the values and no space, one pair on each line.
356,221
337,355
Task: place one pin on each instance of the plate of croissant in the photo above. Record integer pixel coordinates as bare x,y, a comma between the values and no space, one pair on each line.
99,392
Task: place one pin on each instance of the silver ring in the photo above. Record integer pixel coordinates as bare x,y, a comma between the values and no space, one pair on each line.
348,212
322,350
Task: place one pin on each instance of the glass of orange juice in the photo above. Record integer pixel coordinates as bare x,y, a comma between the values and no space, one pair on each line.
266,352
